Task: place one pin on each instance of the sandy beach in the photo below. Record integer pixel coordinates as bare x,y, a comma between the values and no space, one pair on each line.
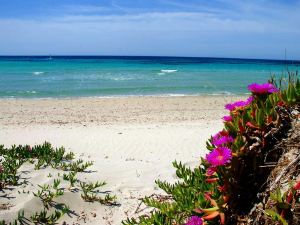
132,141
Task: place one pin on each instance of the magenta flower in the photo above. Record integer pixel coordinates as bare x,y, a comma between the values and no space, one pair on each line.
239,104
227,118
221,138
266,88
219,156
249,100
194,220
210,171
230,106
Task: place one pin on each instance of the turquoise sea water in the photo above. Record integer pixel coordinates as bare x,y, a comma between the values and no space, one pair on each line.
63,76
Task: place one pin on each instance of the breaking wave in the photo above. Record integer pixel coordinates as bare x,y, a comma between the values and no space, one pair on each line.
168,71
38,73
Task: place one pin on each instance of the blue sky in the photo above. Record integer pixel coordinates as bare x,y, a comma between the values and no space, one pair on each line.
214,28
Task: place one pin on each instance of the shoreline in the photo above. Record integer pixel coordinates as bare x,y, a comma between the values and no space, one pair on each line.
108,111
127,96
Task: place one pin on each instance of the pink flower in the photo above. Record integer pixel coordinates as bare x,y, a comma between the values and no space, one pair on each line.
219,134
219,156
210,171
230,106
239,104
227,118
194,220
266,88
221,138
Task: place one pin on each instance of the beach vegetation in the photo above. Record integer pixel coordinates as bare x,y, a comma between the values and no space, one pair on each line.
43,156
21,219
71,177
91,194
48,193
226,185
77,166
45,217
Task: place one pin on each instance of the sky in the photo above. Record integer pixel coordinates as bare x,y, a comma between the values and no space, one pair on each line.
205,28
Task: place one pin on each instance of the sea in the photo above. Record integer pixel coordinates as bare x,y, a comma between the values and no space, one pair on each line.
113,76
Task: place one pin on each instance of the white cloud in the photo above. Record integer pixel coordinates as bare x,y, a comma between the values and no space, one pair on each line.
156,33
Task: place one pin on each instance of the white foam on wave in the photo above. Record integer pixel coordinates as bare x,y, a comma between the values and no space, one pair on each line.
174,95
168,71
38,73
222,93
31,92
121,78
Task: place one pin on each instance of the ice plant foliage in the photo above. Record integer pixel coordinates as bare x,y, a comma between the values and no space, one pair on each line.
220,156
238,104
225,184
266,88
195,220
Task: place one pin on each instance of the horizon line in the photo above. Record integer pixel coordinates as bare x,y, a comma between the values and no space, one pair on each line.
149,56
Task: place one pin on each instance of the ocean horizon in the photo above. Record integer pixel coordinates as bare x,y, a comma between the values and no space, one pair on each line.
113,76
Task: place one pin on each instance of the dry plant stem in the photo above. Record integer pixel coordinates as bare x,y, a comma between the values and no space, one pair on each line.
286,169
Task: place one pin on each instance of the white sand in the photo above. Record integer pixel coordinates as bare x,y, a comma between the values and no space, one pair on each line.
132,142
